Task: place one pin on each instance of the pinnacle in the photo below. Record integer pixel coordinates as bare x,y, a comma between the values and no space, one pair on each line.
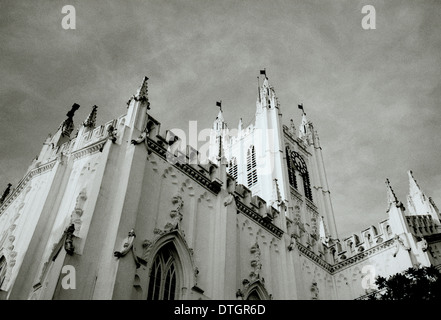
413,185
392,198
90,122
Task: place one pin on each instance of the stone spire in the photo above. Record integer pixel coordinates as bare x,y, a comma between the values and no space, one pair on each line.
137,107
142,94
303,129
323,232
277,197
418,203
266,95
414,188
391,197
90,121
219,124
218,136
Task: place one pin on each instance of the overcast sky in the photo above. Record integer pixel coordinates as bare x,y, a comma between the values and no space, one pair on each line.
373,95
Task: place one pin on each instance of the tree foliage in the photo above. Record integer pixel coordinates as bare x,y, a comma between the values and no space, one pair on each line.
412,284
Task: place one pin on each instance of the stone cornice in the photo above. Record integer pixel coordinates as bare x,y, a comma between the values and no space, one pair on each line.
241,207
23,182
312,256
333,268
187,169
90,149
97,146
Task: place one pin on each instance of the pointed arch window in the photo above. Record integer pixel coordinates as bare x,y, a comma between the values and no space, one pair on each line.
3,266
164,279
251,167
253,296
233,168
291,169
296,161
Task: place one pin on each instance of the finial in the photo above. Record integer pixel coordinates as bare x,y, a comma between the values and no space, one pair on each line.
278,196
74,108
90,122
67,126
292,126
412,181
303,126
391,197
142,94
5,193
390,192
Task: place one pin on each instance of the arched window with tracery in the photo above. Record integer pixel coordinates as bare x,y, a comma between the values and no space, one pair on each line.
164,275
233,168
251,167
296,161
3,266
291,169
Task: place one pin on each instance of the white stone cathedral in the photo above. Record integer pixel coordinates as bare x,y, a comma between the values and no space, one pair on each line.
123,211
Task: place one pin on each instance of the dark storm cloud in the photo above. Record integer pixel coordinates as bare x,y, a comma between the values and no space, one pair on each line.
374,96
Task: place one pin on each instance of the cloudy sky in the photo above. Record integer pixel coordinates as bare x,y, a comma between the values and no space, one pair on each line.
373,95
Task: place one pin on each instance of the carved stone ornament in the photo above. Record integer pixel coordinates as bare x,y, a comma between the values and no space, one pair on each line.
239,294
292,243
142,94
314,291
255,262
140,139
175,214
398,244
126,245
228,199
423,245
68,243
5,193
112,133
77,213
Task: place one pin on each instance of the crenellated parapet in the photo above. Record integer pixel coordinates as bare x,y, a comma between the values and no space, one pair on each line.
422,225
257,210
83,139
359,242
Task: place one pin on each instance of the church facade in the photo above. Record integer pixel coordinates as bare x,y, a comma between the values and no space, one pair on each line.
124,210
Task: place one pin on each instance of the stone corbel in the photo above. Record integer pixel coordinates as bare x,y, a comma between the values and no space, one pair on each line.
126,246
239,294
112,133
292,243
228,199
423,245
140,139
399,243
